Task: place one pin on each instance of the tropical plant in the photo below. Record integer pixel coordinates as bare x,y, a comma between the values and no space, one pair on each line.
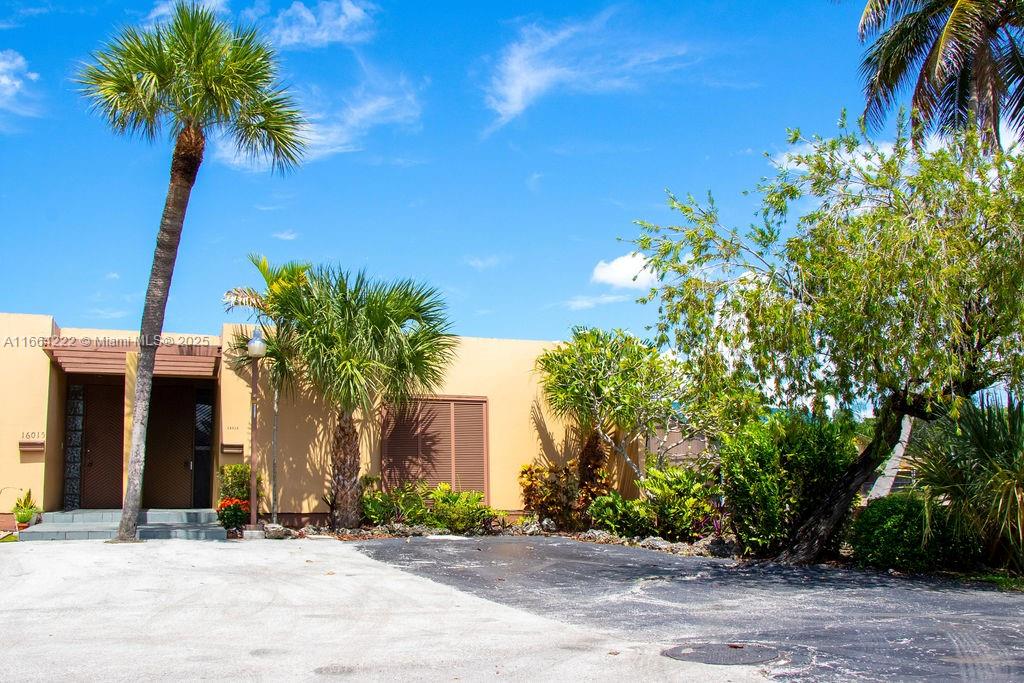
629,518
898,532
281,358
972,469
778,471
962,60
364,345
617,388
25,508
902,286
194,76
461,512
234,481
404,504
561,494
233,513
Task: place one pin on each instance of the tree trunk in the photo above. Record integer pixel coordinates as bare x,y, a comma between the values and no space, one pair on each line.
592,459
188,156
817,530
345,472
273,458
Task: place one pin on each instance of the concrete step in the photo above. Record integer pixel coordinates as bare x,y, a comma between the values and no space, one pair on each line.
80,531
154,516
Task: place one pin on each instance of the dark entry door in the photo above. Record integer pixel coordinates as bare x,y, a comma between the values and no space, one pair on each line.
167,482
103,436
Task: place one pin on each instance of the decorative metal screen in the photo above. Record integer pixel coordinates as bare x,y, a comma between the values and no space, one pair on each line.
74,411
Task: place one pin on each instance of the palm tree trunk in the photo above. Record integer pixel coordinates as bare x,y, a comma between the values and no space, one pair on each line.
817,530
188,156
345,472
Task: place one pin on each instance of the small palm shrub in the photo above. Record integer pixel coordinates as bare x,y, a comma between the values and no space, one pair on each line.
900,532
25,508
778,471
461,512
973,467
676,503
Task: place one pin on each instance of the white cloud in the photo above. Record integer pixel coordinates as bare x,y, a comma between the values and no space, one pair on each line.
112,276
336,128
533,181
482,263
286,235
346,21
582,56
107,313
162,10
582,303
14,80
256,11
627,271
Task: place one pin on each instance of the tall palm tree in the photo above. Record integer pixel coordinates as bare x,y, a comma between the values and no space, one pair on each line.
194,76
281,358
962,58
365,345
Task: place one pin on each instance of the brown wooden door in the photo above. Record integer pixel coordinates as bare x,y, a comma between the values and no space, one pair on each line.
167,482
103,436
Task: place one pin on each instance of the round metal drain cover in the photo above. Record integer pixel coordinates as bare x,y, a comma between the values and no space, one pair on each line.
723,653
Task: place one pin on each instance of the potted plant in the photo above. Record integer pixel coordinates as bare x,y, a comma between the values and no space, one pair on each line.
25,510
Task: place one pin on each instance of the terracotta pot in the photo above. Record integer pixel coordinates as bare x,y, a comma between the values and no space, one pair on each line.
22,526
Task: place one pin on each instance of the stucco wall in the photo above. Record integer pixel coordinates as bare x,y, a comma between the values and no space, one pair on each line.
501,370
29,411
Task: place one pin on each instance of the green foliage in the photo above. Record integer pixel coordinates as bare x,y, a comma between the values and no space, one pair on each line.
26,506
897,532
622,517
233,513
403,504
931,48
461,512
196,73
973,468
234,481
676,503
557,493
778,471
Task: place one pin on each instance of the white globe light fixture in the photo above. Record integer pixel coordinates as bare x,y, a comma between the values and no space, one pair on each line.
256,347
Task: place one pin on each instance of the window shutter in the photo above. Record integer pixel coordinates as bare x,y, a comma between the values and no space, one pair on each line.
437,440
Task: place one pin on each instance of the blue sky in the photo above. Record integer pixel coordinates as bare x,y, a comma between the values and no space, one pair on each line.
497,150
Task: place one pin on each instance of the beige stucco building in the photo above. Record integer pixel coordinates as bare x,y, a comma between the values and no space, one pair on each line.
66,409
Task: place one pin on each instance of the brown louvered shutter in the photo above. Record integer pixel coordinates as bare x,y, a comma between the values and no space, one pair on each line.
437,440
470,449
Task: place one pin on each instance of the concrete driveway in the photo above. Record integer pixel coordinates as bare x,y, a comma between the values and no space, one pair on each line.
830,624
288,610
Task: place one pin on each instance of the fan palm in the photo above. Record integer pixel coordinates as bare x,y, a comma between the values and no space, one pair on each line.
194,76
974,467
365,345
281,357
961,58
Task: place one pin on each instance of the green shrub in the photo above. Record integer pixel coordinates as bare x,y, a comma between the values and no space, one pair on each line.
680,500
234,481
556,493
622,517
676,503
461,512
895,532
401,505
25,508
233,513
778,471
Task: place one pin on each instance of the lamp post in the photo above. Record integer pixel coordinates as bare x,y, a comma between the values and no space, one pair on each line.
256,348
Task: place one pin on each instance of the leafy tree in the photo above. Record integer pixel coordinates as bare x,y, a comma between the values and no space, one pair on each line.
623,390
194,76
961,58
281,359
364,345
902,284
